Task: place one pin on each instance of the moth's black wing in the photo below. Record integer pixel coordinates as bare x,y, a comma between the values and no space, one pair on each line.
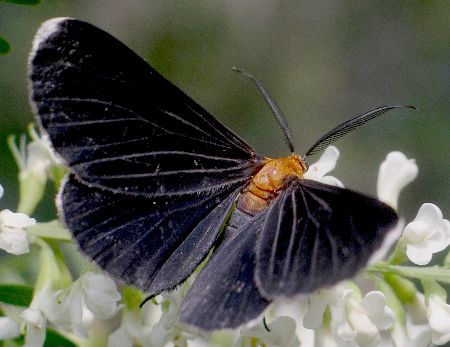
224,295
315,235
151,244
119,125
152,173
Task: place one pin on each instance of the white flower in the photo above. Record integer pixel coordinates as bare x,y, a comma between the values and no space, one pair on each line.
34,158
1,191
100,294
36,162
9,328
91,296
439,319
358,323
416,332
281,334
413,335
325,164
319,300
295,308
37,159
13,238
35,327
131,332
427,234
167,329
395,172
97,293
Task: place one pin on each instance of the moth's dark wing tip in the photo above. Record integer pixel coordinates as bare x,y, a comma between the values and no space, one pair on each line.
46,29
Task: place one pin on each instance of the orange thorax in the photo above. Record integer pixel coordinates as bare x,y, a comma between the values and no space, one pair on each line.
269,180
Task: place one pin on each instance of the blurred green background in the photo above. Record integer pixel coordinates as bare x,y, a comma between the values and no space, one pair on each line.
323,61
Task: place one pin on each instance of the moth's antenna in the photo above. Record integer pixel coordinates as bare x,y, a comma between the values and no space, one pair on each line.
274,108
348,126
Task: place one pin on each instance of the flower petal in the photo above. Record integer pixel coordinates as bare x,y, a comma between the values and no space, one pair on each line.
332,181
395,172
345,331
120,338
14,241
281,334
314,317
418,253
374,303
100,294
439,319
429,213
76,311
416,232
15,220
9,328
324,165
35,327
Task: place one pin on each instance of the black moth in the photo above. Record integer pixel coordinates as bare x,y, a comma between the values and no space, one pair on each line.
155,182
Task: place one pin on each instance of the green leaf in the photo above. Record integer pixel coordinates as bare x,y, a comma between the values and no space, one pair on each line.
404,288
4,46
16,294
53,270
23,2
50,230
435,273
132,297
398,256
55,339
17,342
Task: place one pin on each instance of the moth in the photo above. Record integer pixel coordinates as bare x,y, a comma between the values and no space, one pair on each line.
156,183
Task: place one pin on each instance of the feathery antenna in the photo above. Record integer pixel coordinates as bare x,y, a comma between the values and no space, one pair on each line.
348,126
274,108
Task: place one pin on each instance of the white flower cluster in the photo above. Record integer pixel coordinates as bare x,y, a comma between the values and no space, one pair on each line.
13,238
343,316
92,297
354,321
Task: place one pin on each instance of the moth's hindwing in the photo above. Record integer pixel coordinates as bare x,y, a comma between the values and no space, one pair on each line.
224,295
315,235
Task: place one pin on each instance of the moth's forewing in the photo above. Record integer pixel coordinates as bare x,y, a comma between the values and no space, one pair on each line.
193,248
119,125
315,235
224,295
137,240
147,164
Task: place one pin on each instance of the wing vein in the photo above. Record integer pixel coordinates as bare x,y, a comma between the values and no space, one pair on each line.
275,242
292,236
158,153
